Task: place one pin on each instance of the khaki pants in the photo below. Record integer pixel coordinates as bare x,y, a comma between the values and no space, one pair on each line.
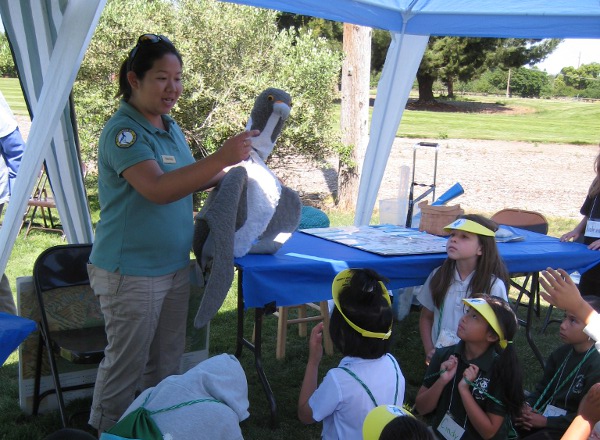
145,320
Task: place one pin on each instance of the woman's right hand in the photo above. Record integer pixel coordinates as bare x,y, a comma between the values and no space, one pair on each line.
571,235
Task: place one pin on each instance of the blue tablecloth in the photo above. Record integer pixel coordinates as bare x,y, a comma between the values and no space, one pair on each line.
13,331
303,269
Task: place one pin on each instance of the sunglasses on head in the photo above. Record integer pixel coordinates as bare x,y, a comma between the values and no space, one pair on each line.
145,39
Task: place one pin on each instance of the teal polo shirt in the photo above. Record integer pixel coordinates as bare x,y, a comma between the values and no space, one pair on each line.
450,400
135,236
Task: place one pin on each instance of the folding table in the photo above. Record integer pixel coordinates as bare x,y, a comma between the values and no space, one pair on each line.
303,269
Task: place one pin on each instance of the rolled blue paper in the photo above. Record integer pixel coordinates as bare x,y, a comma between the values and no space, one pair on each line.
454,191
13,331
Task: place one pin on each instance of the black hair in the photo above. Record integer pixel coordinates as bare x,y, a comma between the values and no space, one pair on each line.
363,303
489,265
507,374
406,428
140,60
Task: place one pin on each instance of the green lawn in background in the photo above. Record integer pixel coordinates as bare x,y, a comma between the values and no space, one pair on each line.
11,89
529,120
574,122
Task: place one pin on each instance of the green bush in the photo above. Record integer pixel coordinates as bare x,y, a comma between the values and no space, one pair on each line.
7,64
231,53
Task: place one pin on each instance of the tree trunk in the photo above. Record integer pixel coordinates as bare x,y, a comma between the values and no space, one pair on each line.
355,110
450,85
425,87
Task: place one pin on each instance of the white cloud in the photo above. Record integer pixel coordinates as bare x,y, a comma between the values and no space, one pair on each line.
571,52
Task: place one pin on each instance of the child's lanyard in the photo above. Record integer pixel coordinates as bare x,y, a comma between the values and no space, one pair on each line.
351,373
440,319
475,387
537,407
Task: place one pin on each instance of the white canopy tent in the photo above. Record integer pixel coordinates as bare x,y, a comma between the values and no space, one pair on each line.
64,28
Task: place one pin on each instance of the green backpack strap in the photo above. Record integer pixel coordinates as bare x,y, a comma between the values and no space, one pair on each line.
181,405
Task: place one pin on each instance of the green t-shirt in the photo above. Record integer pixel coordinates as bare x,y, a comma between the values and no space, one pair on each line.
134,235
450,400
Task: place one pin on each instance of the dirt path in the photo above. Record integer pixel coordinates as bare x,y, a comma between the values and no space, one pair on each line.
549,178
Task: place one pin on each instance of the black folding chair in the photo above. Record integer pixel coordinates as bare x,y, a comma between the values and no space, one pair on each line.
531,221
70,324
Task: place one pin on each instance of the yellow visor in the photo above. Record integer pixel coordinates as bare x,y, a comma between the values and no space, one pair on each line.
462,224
485,310
379,417
340,282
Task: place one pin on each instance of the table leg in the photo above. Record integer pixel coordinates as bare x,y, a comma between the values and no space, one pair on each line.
533,297
255,348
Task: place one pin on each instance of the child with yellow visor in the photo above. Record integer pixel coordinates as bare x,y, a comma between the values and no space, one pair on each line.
473,265
367,376
474,388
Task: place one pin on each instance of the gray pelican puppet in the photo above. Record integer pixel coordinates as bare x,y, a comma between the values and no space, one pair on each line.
249,211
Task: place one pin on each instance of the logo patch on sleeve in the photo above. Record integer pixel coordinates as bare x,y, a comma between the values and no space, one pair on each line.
125,138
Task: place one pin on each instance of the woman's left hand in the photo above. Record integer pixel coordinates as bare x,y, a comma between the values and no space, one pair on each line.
594,245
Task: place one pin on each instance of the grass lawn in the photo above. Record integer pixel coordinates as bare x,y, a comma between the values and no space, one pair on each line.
285,376
509,119
11,89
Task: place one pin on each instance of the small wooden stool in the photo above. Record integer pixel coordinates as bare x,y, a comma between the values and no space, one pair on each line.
283,321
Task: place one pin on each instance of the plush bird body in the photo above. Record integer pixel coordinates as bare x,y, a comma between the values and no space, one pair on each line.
249,211
271,109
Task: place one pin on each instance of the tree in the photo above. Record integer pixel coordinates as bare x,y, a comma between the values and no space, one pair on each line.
7,64
456,58
529,83
355,110
231,53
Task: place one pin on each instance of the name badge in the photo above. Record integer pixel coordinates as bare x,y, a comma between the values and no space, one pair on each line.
168,159
592,228
449,429
554,411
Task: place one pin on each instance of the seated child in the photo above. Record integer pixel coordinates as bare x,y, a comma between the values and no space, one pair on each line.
473,388
570,372
473,265
391,422
367,376
207,402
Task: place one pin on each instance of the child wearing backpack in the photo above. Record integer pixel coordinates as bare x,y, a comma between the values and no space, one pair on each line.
474,388
473,265
367,376
570,372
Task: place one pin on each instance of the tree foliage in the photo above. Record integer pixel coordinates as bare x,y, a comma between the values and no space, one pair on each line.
231,53
7,65
455,58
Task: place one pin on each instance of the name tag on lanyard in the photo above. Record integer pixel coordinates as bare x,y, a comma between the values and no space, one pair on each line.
449,429
592,228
